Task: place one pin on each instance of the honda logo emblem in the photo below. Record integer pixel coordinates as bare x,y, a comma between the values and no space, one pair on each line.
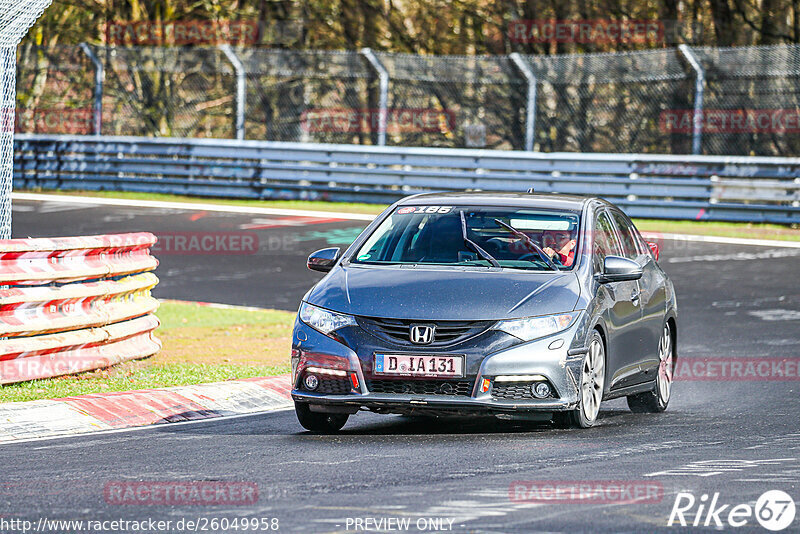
421,334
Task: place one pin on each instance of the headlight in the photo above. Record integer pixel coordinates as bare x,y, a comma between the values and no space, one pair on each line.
323,320
530,328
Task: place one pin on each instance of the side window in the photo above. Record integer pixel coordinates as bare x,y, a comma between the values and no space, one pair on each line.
629,248
605,241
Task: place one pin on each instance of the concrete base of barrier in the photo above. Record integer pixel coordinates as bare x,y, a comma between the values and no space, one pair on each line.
21,421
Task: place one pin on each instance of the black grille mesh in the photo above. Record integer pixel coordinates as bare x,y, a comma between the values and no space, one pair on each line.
445,333
332,385
422,387
514,391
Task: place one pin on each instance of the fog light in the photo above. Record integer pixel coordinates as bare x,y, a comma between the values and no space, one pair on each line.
311,382
540,390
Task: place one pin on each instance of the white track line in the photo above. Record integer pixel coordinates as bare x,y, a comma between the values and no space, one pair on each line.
340,215
193,206
216,305
158,426
723,240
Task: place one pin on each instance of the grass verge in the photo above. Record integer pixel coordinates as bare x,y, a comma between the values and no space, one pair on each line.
722,229
201,344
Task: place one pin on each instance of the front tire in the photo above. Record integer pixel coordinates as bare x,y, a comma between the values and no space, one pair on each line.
593,378
657,400
322,423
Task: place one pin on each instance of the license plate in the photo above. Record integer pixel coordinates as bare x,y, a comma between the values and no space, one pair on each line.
419,365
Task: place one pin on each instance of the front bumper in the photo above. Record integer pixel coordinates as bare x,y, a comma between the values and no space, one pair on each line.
556,358
407,404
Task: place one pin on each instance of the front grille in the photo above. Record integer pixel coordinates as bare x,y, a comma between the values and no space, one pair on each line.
331,386
422,387
514,391
445,332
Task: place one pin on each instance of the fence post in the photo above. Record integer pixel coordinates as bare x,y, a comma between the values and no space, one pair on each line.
99,79
699,88
530,106
383,99
238,68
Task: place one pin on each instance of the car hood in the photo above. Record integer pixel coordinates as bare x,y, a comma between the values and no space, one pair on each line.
430,293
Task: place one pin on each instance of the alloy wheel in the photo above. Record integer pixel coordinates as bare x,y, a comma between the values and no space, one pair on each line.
665,365
593,380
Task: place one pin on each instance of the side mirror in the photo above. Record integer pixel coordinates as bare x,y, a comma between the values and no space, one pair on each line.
653,249
617,269
323,260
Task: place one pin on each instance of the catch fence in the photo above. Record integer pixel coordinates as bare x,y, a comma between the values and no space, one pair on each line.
684,100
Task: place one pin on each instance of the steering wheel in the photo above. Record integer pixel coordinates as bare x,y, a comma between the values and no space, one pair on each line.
531,255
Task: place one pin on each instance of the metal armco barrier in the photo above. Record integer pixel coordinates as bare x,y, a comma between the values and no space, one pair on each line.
735,188
73,304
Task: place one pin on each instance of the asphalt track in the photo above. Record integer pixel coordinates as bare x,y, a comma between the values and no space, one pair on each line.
736,437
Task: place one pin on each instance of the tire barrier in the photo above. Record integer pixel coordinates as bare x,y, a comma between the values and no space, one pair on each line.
74,304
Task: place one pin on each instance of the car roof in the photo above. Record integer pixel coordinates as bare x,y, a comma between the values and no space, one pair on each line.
488,198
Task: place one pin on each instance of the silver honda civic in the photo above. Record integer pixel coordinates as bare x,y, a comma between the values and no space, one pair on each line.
514,305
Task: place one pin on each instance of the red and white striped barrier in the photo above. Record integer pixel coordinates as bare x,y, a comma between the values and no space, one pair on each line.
21,421
66,259
73,304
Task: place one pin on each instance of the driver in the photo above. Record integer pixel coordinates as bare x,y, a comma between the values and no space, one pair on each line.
560,246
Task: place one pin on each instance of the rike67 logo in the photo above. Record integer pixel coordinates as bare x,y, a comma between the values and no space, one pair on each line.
774,510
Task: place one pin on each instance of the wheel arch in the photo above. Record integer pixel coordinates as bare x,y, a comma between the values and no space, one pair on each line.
600,326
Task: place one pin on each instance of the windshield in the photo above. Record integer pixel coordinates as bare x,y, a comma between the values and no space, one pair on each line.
515,238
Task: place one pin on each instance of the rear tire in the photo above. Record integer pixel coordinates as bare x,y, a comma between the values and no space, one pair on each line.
322,423
657,400
591,388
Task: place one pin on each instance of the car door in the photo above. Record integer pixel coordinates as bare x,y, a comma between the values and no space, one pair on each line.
652,294
623,314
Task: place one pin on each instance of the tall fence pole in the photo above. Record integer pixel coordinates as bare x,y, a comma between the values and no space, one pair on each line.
241,80
383,99
99,78
16,18
530,106
699,88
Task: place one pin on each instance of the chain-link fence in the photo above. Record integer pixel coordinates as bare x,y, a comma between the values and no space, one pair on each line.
610,102
454,101
16,16
752,100
54,90
163,91
650,101
306,96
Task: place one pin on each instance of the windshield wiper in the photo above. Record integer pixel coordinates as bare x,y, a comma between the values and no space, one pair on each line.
529,242
474,246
